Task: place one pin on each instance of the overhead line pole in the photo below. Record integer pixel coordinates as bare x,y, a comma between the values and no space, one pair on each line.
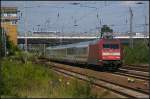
4,36
26,41
131,28
146,32
146,25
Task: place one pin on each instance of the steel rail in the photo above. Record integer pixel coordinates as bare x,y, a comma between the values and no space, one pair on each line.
145,92
125,91
135,68
133,74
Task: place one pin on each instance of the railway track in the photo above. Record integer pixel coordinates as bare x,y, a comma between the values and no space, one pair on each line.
135,71
105,84
128,72
101,82
133,74
144,68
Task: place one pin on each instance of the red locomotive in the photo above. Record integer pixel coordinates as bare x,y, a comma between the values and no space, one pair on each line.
102,52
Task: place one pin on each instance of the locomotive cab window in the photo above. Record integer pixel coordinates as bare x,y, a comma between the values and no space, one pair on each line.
106,46
112,46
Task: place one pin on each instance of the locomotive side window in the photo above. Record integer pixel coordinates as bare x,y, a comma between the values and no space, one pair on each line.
112,46
71,51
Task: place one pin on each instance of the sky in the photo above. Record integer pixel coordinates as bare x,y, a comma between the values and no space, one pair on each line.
80,16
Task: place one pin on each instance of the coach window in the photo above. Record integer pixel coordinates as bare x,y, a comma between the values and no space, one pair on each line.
70,51
81,50
63,52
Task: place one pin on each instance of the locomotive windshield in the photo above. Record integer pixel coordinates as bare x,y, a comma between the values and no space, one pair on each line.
111,46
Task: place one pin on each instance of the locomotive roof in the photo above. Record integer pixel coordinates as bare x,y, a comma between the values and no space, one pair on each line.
74,45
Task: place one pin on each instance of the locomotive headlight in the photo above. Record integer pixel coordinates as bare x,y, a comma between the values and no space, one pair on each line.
107,53
115,53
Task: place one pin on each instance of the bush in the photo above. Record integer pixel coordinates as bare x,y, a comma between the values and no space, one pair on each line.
22,56
139,54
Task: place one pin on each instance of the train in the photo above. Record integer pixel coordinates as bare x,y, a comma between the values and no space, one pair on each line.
105,53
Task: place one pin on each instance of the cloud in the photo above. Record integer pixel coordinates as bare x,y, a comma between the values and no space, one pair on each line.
129,3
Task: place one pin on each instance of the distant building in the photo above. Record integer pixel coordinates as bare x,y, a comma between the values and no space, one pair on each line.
9,22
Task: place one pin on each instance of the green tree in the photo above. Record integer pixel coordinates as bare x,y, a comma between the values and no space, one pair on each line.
106,28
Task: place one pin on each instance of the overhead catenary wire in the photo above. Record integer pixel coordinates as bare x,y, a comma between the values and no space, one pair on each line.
79,19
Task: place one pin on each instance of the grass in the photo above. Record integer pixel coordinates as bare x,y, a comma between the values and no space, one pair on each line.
31,80
17,77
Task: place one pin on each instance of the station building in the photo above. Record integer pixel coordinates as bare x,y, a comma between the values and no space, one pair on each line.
9,22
